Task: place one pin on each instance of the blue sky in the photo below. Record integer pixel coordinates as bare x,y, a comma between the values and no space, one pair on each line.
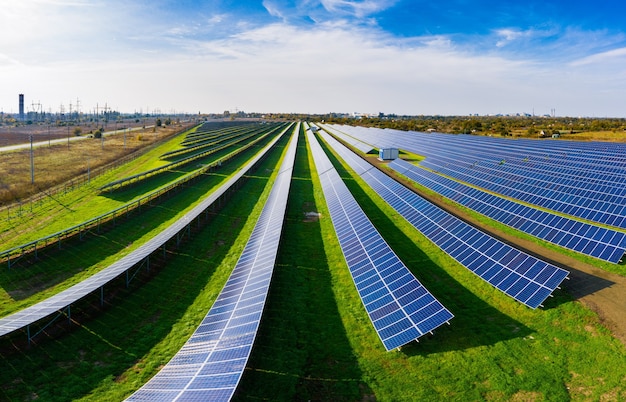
407,57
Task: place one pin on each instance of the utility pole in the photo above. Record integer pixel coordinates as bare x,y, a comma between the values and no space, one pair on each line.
32,161
78,110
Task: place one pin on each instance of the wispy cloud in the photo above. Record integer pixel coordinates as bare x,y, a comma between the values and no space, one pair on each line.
358,9
303,56
610,56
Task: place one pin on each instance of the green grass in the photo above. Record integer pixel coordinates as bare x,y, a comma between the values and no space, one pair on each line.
316,341
55,271
494,349
302,351
74,207
108,357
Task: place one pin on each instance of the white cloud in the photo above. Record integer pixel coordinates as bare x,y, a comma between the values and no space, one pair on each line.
216,19
507,36
359,9
274,9
149,62
610,56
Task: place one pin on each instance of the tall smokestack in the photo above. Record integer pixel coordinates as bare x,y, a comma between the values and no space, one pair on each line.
21,107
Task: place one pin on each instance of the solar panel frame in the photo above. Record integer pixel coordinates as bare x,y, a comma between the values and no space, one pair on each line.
62,300
210,364
423,215
542,224
375,268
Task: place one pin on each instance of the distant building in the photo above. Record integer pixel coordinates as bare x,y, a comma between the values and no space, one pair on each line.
22,118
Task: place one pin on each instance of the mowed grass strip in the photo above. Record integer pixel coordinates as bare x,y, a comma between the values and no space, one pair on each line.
110,356
302,351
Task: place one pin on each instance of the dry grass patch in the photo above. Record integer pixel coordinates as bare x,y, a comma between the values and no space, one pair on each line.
58,163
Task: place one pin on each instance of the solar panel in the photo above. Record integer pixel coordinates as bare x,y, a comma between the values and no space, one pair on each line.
400,308
60,301
210,364
583,179
517,274
585,238
353,141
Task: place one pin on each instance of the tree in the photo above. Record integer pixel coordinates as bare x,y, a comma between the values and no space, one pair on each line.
78,131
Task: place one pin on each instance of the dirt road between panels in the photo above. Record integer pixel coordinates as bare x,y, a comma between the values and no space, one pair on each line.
601,291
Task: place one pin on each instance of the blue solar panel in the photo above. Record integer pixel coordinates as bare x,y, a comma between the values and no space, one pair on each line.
582,179
355,142
210,364
399,307
466,244
583,237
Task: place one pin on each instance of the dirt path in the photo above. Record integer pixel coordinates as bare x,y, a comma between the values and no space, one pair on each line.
601,291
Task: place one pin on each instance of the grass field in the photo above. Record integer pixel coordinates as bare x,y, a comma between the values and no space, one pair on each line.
316,341
58,163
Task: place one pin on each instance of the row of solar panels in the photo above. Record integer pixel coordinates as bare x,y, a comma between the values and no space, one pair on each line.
182,162
592,240
572,168
466,158
517,274
587,157
216,141
574,159
569,200
399,307
210,364
205,132
566,230
46,308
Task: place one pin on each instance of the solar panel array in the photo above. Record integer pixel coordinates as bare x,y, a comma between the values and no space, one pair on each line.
210,364
251,136
583,179
517,274
354,142
60,301
399,307
585,238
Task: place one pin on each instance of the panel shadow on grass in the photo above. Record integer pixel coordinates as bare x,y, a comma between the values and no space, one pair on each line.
476,323
145,185
302,351
55,264
125,335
